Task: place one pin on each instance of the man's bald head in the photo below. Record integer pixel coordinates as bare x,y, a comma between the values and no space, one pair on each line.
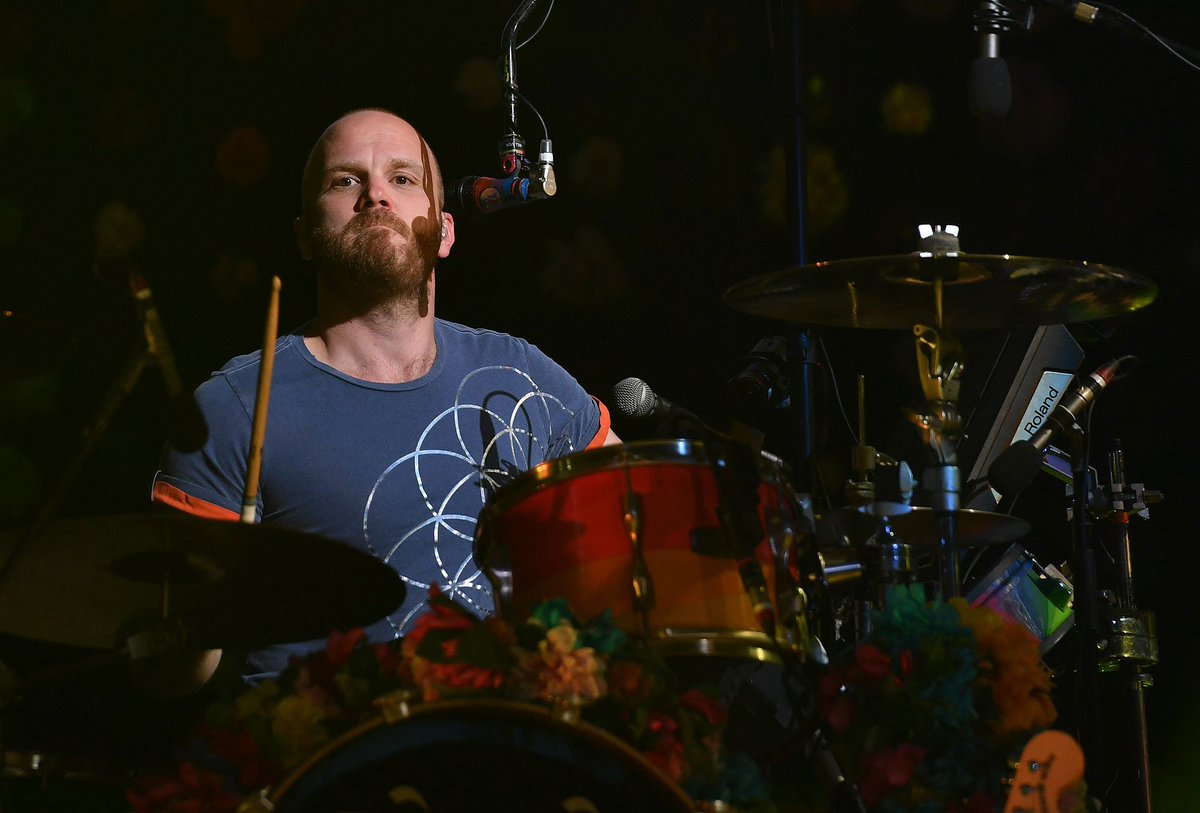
314,168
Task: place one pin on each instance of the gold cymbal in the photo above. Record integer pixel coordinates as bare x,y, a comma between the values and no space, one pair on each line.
979,292
95,581
918,525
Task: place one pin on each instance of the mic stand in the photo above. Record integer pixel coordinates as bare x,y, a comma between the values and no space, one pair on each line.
1087,611
1132,645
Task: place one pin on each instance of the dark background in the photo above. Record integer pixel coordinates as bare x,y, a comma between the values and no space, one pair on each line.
169,137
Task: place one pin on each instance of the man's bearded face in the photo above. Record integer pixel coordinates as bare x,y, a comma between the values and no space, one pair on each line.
377,256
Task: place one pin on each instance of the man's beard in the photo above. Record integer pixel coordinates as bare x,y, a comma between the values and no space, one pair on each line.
367,266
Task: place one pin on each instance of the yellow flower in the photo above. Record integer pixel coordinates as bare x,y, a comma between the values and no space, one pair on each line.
258,702
297,728
1012,667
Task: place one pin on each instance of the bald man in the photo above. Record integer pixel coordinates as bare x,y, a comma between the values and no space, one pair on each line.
389,428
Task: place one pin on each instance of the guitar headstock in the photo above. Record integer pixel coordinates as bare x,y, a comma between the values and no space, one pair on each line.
1051,762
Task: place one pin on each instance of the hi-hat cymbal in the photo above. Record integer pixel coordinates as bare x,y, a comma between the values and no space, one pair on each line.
979,292
94,581
918,526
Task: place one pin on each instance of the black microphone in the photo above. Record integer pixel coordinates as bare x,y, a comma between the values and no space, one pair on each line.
478,195
990,88
1017,465
186,428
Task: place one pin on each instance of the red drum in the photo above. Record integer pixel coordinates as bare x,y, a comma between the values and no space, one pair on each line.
559,531
459,755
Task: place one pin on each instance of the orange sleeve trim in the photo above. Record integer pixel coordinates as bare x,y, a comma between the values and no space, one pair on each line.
605,425
169,495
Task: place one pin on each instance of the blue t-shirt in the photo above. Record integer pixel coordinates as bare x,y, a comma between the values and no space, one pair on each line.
398,470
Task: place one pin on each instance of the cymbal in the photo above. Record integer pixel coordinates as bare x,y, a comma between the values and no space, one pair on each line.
918,526
979,292
94,581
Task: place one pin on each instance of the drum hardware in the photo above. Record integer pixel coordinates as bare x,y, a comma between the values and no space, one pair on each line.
642,588
1131,643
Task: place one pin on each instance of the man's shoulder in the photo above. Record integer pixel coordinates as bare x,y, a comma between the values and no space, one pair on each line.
245,367
483,340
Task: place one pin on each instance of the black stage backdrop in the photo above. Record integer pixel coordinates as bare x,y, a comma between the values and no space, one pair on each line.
172,135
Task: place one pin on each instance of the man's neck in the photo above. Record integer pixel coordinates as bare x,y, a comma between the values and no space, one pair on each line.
392,344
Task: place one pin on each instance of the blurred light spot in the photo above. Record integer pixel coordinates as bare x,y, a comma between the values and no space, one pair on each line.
907,109
118,230
828,198
583,272
230,277
478,83
246,21
596,167
243,158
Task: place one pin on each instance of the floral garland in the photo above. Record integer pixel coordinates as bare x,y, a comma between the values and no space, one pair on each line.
927,711
614,682
924,714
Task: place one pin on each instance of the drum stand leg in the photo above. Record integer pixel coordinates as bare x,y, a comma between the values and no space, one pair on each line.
1131,645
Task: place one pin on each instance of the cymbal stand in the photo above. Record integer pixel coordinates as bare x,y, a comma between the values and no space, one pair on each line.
940,424
1131,645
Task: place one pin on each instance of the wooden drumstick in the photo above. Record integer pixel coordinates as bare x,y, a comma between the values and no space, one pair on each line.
259,428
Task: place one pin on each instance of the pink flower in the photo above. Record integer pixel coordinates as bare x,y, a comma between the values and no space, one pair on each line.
886,771
874,662
707,705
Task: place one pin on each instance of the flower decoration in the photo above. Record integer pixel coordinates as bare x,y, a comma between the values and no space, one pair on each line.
588,669
929,707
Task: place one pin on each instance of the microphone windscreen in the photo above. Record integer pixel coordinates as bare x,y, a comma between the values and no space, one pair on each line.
990,93
1015,468
633,397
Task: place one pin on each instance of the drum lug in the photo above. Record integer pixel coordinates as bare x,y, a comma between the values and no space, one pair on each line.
396,706
258,803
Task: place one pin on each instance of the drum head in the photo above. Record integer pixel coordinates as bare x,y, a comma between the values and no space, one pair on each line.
478,755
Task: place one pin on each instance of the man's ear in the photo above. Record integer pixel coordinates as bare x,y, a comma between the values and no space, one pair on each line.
300,228
447,233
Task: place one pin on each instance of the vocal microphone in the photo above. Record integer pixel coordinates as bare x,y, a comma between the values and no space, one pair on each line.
635,399
477,195
1017,465
990,88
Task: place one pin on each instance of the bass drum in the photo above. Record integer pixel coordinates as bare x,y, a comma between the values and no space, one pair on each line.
461,755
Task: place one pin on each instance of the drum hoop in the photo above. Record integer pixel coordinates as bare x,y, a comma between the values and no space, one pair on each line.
592,461
480,708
